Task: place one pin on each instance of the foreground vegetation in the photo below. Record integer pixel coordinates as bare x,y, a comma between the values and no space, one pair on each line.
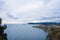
3,36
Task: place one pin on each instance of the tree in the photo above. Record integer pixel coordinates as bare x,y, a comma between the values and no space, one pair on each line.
0,20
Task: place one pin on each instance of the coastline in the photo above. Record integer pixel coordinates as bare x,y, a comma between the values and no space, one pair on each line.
53,31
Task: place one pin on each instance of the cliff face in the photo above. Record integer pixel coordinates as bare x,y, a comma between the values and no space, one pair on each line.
54,34
57,36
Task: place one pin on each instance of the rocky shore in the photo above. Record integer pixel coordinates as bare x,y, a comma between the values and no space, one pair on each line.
53,31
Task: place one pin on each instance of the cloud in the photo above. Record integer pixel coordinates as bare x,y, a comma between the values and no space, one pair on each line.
10,16
28,10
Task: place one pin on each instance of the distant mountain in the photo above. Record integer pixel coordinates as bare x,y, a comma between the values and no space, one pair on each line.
45,23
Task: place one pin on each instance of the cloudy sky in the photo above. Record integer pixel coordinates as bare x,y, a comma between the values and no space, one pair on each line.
29,10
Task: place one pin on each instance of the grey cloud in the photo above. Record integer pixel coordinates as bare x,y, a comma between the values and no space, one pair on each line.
45,18
11,16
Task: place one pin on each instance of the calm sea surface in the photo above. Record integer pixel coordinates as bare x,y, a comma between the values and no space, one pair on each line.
24,32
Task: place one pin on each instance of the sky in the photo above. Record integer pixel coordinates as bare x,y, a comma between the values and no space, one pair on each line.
23,11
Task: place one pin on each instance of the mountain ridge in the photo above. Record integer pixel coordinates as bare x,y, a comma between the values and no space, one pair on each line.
45,23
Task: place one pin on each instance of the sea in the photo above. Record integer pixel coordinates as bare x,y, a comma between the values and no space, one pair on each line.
24,32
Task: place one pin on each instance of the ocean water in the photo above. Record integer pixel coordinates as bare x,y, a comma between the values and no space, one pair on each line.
24,32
